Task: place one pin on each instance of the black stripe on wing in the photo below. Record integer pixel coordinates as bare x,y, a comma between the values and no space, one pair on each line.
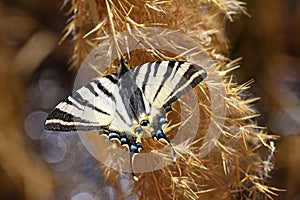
77,97
91,89
64,116
68,122
74,127
177,67
112,79
146,76
186,78
104,90
69,102
166,76
156,65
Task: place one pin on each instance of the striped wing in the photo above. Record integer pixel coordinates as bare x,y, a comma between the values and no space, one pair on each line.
91,107
163,82
131,104
120,102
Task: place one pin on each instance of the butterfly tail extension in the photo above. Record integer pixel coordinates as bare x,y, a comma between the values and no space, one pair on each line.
132,172
159,134
134,149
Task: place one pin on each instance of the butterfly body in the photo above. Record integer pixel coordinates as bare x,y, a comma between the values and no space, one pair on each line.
126,104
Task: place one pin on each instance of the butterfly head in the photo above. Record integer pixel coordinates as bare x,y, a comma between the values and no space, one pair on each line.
123,67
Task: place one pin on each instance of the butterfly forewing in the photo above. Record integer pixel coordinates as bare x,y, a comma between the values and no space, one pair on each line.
121,101
164,82
91,107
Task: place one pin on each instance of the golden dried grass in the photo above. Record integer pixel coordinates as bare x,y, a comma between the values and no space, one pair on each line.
238,165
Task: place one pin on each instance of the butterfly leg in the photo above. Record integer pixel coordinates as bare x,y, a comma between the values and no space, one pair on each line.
134,148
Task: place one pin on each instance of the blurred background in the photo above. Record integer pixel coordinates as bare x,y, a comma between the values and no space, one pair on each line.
34,76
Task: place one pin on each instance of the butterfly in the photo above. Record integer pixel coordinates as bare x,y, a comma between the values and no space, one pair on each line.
124,104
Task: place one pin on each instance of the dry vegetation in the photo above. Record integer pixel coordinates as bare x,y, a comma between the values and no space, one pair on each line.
240,160
238,165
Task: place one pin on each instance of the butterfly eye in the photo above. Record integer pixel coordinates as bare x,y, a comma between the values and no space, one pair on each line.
138,130
144,122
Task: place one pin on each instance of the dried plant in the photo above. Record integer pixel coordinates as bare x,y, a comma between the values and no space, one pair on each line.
238,165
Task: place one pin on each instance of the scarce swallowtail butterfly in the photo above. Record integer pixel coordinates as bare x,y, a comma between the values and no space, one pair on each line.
125,104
